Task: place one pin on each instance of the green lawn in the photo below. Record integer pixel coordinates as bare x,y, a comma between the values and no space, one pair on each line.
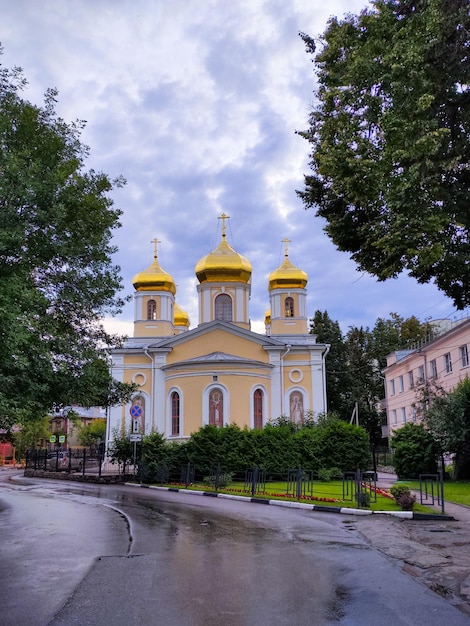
324,494
458,492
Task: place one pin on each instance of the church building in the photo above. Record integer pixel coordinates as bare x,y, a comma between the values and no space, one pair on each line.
220,372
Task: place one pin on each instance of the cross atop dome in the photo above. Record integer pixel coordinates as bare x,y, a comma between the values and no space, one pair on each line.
155,242
286,243
224,217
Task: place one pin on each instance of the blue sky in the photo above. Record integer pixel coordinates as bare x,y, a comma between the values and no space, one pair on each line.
196,104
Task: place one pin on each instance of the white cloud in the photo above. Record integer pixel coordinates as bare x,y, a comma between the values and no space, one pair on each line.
196,104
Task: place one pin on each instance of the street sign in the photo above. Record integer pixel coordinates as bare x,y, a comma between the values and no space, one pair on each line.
61,438
135,438
52,439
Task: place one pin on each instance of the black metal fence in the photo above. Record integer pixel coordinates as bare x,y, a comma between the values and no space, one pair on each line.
79,460
357,487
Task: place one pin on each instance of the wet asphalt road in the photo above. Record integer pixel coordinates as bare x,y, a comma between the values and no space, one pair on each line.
94,555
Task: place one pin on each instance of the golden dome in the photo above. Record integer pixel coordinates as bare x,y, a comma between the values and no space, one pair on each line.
267,317
287,275
154,278
180,317
223,264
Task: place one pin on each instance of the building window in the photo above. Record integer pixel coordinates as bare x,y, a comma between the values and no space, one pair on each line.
411,380
433,368
447,363
463,350
258,409
216,408
223,307
175,414
151,310
289,307
394,416
401,387
296,408
421,374
392,387
413,414
403,415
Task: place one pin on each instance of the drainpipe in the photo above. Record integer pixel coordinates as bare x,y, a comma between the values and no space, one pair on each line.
152,390
323,367
288,347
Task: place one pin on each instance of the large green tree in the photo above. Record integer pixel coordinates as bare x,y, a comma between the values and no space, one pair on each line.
57,278
447,417
389,136
338,373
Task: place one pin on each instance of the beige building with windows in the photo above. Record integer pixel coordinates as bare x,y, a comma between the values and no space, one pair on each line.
220,372
443,359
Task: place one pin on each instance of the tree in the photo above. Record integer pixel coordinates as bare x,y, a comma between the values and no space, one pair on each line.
447,417
415,451
92,433
338,379
389,140
57,279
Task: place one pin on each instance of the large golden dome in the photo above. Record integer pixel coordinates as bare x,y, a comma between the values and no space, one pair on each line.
287,276
180,317
223,264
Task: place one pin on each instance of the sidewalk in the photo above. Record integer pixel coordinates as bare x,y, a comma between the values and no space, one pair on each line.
459,511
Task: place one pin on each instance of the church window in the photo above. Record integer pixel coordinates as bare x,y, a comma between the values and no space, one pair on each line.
175,414
223,307
296,407
151,310
289,307
258,409
216,408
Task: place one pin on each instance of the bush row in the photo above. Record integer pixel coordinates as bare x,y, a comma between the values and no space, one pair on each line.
332,444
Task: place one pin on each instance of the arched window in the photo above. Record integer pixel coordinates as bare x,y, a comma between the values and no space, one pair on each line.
223,307
258,409
175,414
216,408
151,310
289,307
296,407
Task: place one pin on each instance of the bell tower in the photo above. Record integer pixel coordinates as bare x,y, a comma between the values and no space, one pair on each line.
288,298
154,300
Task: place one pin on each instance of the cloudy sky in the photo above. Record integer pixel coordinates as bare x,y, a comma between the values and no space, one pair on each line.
196,104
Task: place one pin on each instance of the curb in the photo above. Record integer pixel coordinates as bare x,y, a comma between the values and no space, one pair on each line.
301,505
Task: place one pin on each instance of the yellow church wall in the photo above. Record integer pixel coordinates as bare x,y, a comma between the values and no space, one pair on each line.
217,341
194,382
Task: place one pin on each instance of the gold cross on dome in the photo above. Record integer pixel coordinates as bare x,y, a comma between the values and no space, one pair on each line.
224,217
286,241
155,242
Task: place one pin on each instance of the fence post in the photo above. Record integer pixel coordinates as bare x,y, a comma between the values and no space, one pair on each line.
254,481
299,483
358,488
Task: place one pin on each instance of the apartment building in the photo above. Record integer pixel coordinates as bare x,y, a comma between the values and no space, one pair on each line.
444,358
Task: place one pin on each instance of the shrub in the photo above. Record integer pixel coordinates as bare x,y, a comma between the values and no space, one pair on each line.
406,502
415,451
399,490
403,497
222,480
330,473
364,499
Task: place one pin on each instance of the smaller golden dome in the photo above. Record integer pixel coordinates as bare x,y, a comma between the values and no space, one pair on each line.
154,278
180,317
287,275
267,317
